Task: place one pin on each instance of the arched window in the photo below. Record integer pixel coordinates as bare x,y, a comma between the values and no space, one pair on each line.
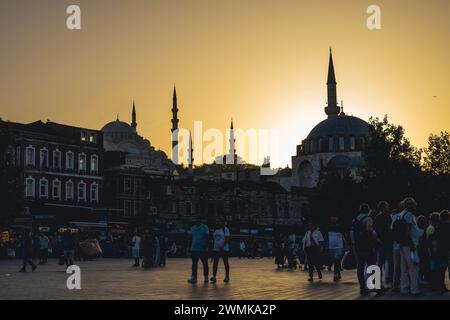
44,158
341,144
30,156
43,188
69,160
94,192
56,159
81,191
352,143
330,144
82,162
29,187
56,189
94,163
69,190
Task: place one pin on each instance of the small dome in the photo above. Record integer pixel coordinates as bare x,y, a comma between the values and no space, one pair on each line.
340,126
117,126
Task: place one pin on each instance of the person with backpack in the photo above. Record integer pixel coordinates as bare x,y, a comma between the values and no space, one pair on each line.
396,258
313,246
407,234
364,239
382,225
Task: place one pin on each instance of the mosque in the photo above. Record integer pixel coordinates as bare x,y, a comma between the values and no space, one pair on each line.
119,136
336,143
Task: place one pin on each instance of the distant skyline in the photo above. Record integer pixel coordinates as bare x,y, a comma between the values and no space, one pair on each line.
261,62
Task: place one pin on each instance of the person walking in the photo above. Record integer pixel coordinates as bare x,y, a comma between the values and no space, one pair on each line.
335,246
407,234
28,252
199,250
396,258
221,250
313,246
382,226
364,239
68,242
442,236
290,247
136,249
44,243
242,249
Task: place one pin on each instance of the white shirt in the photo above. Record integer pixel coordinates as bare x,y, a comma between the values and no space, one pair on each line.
316,238
219,239
137,242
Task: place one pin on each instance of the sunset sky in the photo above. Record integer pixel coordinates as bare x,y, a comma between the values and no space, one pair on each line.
261,62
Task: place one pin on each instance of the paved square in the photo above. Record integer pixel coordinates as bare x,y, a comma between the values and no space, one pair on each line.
116,279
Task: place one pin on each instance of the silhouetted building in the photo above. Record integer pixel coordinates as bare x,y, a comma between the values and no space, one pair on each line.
336,143
62,170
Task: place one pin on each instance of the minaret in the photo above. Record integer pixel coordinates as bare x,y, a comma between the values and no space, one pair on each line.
332,108
232,151
190,153
133,117
174,129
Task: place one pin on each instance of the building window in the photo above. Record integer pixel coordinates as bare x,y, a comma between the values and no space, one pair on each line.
17,156
330,144
69,160
352,143
188,208
30,156
320,145
56,159
126,185
56,193
94,192
84,136
341,143
69,190
44,158
312,150
127,208
82,162
29,187
92,137
43,188
94,163
81,191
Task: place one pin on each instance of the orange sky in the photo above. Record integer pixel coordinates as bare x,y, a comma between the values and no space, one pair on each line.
261,62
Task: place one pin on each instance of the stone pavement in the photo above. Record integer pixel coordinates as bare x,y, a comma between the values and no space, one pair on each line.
116,279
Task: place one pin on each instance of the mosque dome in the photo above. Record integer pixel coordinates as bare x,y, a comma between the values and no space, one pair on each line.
117,127
340,126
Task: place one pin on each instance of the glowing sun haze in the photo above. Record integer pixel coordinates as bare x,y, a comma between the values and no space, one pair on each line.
262,62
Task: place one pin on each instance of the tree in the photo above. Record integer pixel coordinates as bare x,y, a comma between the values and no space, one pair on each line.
11,186
337,194
392,163
437,155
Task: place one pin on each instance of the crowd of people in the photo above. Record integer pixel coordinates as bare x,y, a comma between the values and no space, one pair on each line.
411,250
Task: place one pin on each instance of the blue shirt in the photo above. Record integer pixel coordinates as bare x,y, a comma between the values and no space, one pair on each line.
199,235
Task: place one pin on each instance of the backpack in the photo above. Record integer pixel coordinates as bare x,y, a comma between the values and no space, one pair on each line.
400,230
362,239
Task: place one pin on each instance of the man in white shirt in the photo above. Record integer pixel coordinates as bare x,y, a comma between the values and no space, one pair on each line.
221,250
135,249
313,245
